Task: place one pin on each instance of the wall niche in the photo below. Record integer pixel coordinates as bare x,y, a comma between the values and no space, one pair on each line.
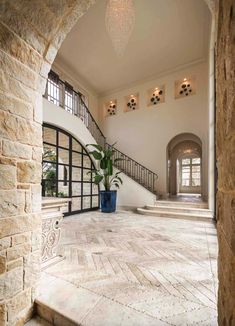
185,87
131,102
111,108
156,95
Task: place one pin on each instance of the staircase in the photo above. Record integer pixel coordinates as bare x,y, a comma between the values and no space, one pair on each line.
63,95
177,209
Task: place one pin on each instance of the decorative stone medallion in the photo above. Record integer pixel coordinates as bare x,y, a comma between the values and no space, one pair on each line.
185,87
131,102
156,95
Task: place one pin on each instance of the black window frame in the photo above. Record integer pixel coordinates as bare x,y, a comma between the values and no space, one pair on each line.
83,152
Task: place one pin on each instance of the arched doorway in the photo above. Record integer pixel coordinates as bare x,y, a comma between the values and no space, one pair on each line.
184,159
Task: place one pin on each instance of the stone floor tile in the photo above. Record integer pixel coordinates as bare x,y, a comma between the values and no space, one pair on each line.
107,313
156,268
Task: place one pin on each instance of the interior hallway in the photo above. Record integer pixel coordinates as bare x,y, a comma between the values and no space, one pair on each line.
127,269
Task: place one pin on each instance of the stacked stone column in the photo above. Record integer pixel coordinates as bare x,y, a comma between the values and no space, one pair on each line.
225,146
31,33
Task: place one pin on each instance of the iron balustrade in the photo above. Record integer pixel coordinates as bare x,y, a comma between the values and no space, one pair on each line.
63,95
135,170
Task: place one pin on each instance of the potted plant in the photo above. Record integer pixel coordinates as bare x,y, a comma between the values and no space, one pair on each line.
104,174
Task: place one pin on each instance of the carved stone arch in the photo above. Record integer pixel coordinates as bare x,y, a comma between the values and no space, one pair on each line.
31,33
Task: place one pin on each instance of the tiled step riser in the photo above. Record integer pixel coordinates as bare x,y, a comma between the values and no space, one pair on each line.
53,316
196,211
172,215
181,204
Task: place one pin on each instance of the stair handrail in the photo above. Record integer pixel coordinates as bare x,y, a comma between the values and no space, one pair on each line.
63,95
148,181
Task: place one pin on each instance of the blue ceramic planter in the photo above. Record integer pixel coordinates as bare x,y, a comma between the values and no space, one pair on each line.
108,201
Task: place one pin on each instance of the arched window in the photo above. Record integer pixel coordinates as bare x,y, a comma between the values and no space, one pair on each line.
67,171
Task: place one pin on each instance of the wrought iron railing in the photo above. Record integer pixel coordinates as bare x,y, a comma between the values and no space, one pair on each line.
62,94
135,170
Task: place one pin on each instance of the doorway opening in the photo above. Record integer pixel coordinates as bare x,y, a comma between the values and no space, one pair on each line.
184,159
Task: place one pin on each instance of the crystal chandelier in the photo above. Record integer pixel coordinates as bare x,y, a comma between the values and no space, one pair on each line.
120,20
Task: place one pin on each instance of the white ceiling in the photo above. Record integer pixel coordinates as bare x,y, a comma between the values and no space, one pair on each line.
167,34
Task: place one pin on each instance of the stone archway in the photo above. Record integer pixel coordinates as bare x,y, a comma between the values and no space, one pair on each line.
31,33
181,146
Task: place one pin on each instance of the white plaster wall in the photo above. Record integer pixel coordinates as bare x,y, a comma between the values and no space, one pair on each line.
130,193
144,134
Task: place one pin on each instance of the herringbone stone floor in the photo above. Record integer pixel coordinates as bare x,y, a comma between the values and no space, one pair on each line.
138,270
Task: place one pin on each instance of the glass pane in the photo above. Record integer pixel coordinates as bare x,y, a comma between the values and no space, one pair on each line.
195,175
53,91
76,159
49,153
63,156
196,168
76,174
63,140
48,171
196,182
86,202
185,182
86,175
95,189
63,173
49,135
95,201
68,101
76,146
185,161
76,188
196,160
86,161
76,204
49,188
63,191
86,189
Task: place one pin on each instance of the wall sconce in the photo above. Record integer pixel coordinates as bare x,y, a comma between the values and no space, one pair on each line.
185,87
156,95
111,108
131,102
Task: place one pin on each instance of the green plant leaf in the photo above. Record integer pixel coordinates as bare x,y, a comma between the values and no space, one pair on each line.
109,167
98,178
119,180
96,155
116,184
96,146
109,153
103,163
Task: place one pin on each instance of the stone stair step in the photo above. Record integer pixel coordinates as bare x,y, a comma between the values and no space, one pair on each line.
180,209
180,203
52,315
38,321
62,303
179,215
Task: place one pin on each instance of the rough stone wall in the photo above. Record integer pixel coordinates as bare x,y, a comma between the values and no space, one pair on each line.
225,147
31,33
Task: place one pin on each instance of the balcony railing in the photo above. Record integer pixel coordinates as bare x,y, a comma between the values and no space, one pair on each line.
63,95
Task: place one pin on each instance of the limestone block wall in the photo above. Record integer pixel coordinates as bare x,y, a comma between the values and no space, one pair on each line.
225,146
31,33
